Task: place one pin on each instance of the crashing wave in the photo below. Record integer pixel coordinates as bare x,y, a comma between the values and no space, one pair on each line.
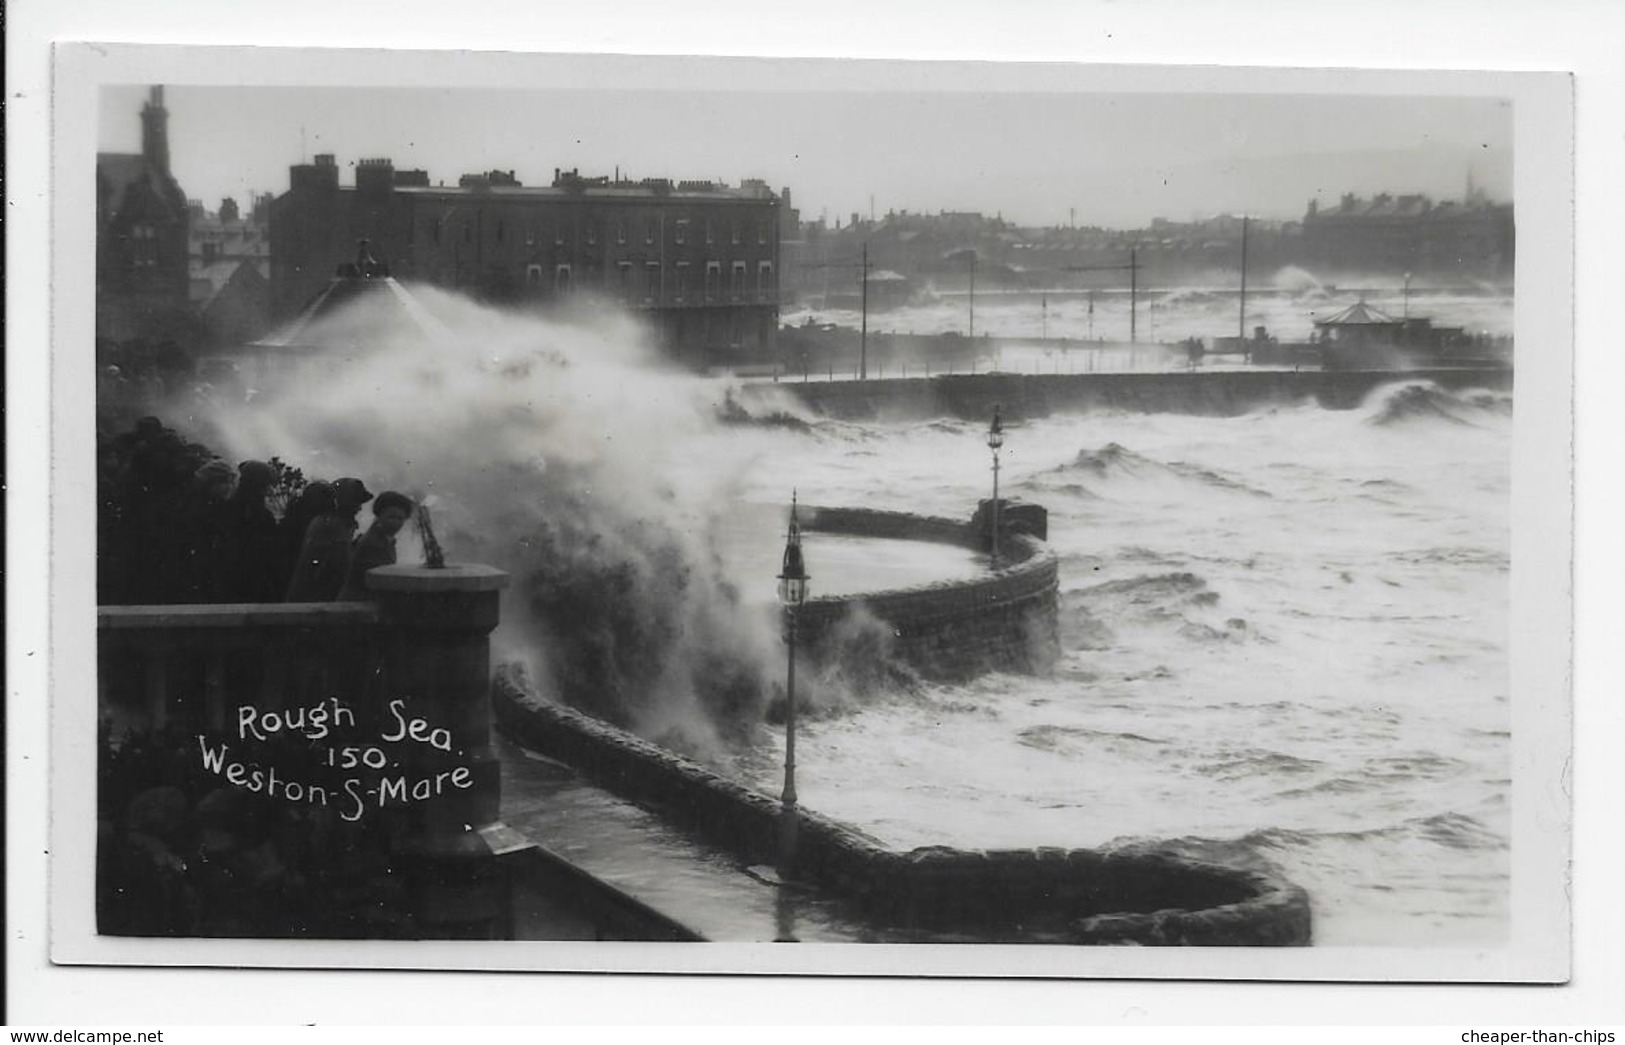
1426,401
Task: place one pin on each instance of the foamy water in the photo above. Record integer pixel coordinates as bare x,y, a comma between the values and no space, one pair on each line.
1285,634
1287,306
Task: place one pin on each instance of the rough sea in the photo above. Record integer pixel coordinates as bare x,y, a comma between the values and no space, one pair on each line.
1285,634
1284,637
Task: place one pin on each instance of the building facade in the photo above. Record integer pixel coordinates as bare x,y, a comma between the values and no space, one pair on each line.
230,267
1472,239
142,232
699,261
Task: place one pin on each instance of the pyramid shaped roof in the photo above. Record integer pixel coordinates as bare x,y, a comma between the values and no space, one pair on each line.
355,312
1358,314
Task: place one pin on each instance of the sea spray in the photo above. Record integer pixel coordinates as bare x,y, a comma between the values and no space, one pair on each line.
1368,563
549,448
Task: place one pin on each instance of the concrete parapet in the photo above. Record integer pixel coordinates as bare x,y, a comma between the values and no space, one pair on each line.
1046,894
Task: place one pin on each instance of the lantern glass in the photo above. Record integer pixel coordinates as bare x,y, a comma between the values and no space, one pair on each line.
995,438
792,590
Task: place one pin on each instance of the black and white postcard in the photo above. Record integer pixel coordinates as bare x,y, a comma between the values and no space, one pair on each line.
875,517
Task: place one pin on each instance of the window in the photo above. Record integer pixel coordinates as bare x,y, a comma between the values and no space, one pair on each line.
682,230
561,279
713,279
592,232
736,285
682,288
764,277
650,228
733,232
651,281
710,233
144,246
558,233
620,230
533,275
761,231
626,279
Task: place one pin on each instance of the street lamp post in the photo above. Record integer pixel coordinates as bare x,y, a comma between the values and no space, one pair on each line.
792,593
995,440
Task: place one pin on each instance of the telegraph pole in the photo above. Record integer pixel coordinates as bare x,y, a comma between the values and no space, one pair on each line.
1242,320
1133,268
863,336
1133,294
863,289
973,292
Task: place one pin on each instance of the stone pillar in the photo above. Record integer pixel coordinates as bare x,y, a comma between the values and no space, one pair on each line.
438,666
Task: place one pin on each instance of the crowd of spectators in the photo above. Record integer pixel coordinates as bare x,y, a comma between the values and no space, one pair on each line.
176,524
179,852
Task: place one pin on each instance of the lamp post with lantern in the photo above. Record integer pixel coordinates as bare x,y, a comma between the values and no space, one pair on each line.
995,440
792,593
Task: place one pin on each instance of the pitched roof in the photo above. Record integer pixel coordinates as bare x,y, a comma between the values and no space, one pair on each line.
123,170
354,313
209,280
1358,314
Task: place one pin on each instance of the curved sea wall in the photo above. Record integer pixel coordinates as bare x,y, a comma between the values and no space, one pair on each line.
935,893
1004,620
1217,393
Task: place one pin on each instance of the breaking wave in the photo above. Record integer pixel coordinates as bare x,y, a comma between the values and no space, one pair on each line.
1426,401
1117,462
1450,829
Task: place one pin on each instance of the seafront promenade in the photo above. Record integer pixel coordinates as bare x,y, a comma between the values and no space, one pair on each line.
671,885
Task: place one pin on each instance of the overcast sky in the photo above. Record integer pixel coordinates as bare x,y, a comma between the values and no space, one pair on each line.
1108,159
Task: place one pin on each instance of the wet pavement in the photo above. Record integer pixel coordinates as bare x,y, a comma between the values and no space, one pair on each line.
694,884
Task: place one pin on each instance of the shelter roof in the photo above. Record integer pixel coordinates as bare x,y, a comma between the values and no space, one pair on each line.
354,312
1358,314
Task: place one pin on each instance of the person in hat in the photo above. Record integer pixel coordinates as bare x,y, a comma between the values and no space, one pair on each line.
249,566
324,558
376,547
200,531
314,500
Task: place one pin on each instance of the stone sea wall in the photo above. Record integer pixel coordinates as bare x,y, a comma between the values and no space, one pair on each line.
935,893
1004,620
1220,393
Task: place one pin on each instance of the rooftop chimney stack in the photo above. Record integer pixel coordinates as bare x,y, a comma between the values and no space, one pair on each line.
155,130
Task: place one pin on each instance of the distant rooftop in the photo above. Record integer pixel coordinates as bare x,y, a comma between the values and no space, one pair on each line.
334,322
376,172
1358,314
